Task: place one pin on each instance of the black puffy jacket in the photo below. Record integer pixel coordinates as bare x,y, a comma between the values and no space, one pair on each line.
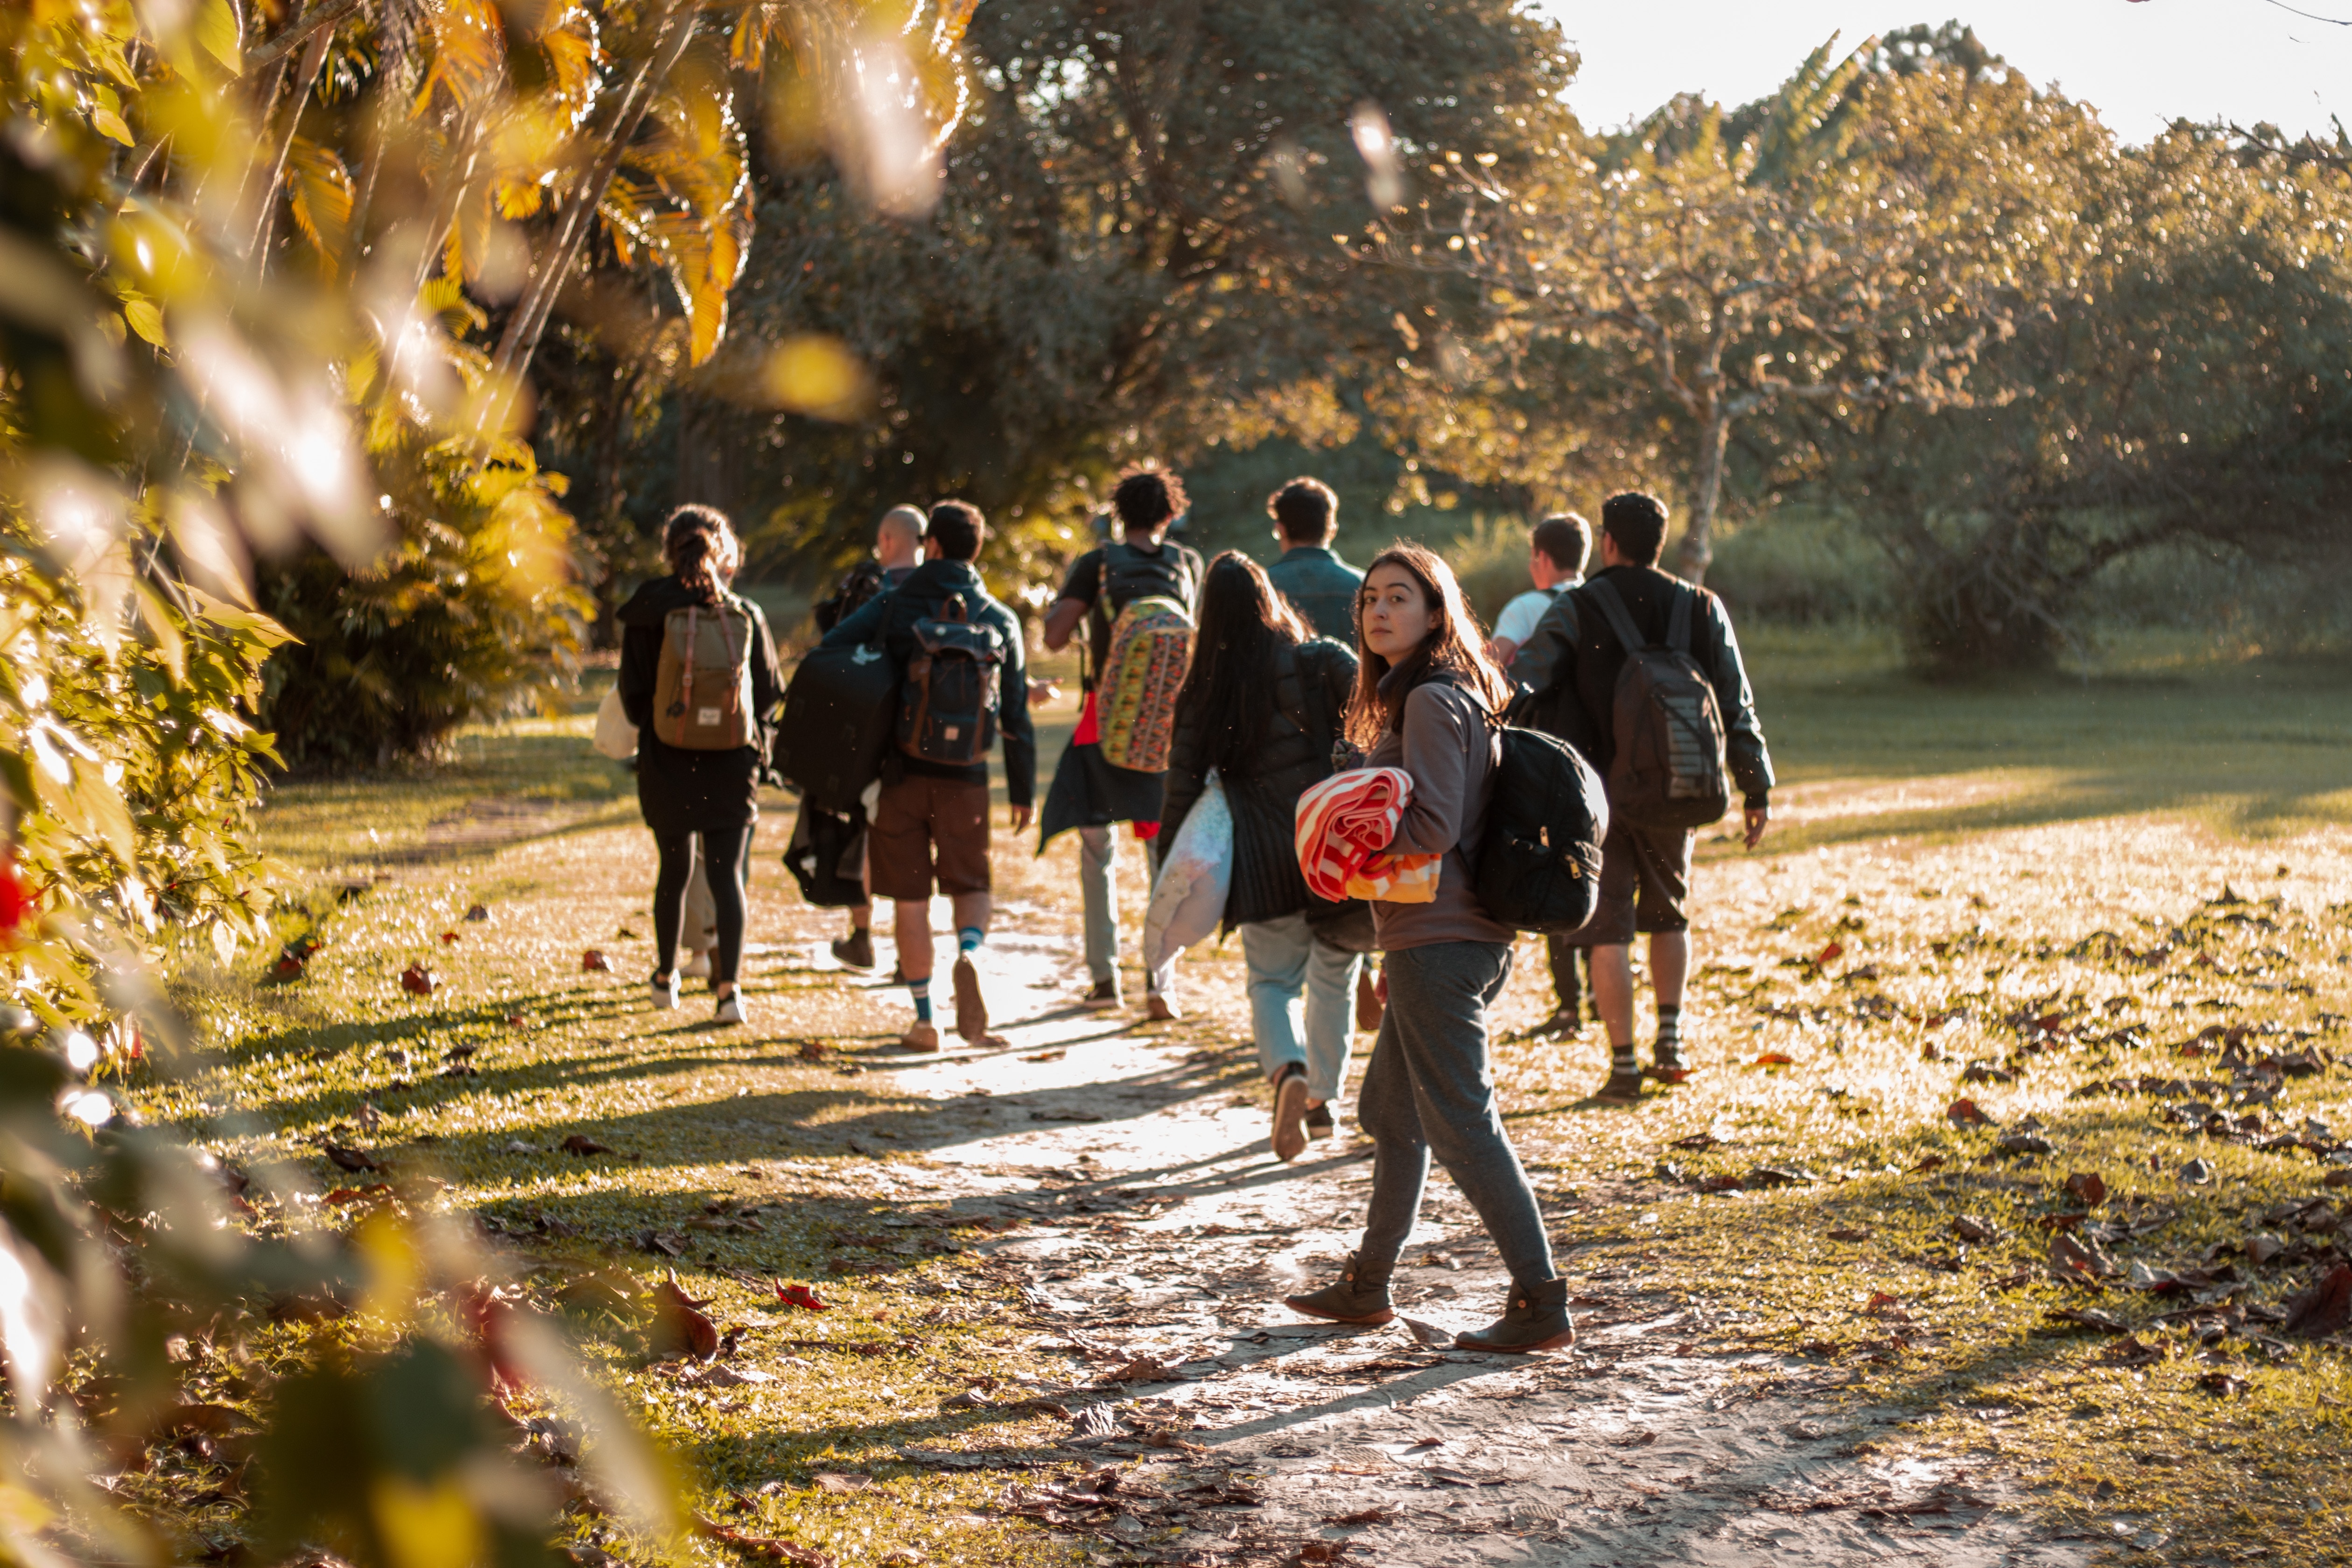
1294,758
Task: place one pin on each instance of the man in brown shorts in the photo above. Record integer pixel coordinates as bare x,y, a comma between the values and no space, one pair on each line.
1569,666
930,823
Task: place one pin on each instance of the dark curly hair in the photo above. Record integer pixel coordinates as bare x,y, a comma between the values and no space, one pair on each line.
1148,497
698,543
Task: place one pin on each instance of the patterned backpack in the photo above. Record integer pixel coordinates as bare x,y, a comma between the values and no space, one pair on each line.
1145,658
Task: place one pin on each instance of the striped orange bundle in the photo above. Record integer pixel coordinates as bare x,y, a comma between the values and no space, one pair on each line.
1345,826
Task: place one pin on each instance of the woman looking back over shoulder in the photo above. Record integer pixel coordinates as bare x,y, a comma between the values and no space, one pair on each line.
1262,706
709,783
1427,697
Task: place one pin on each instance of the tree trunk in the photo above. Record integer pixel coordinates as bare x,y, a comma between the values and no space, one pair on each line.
1697,548
530,320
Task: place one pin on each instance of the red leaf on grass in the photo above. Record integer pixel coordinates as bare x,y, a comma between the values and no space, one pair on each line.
1775,1059
2089,1186
353,1194
449,939
1926,1162
593,963
1830,953
418,980
2324,1309
1965,1112
1879,1301
800,1296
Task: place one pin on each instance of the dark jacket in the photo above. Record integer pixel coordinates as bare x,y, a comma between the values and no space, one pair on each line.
891,617
1322,588
1573,660
1294,756
691,792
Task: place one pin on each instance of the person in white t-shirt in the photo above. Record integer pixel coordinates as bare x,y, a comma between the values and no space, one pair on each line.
1557,549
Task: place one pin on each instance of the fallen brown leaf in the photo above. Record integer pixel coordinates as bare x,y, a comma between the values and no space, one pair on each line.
580,1144
2325,1308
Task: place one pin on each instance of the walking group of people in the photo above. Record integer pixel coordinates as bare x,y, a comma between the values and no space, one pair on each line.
1260,682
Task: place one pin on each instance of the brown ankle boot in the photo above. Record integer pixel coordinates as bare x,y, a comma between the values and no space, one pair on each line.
1536,1320
1361,1295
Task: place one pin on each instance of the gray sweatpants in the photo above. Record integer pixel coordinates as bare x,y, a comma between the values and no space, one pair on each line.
1428,1091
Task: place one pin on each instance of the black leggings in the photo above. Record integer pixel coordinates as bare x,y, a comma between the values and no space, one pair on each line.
724,849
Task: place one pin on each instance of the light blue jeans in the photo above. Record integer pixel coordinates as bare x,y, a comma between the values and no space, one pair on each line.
1284,959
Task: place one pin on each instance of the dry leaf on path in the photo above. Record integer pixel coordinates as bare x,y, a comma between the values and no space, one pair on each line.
1965,1113
593,963
1849,1233
580,1144
2077,1259
800,1296
1428,1334
1969,1227
419,981
478,914
679,1326
839,1481
2089,1186
2085,1318
353,1160
764,1546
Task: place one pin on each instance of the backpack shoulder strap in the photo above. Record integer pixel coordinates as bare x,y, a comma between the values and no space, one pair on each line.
1613,610
1678,619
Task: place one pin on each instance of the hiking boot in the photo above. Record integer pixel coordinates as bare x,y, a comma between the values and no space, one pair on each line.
1361,1295
730,1008
1289,1114
1622,1087
1319,1123
665,992
972,1004
855,950
1536,1320
919,1036
1666,1063
1159,1008
697,967
1368,1006
1103,997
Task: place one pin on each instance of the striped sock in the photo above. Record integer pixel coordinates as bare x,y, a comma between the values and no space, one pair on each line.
1622,1062
969,939
1670,1030
920,990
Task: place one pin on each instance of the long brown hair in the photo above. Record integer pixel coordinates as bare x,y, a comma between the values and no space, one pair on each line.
1456,645
1244,625
699,543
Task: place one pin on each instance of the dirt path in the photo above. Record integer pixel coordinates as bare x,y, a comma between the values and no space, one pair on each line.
1384,1445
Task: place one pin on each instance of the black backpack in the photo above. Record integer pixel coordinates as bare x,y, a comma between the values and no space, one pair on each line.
1668,771
946,702
1539,861
1128,574
827,856
836,728
863,583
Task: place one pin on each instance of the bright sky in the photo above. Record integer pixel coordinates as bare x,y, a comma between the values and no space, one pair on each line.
2142,65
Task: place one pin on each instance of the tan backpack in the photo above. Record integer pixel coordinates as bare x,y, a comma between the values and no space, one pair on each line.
702,687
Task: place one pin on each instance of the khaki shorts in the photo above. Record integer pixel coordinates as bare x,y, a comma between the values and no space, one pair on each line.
1644,883
926,826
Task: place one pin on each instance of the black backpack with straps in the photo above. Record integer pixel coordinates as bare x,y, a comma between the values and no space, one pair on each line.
1668,771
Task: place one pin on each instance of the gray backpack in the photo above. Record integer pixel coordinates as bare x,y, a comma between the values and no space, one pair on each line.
1668,773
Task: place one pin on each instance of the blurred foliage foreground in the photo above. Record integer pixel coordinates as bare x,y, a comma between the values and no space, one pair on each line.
228,287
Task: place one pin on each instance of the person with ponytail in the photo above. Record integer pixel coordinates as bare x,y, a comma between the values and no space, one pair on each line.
689,792
1427,701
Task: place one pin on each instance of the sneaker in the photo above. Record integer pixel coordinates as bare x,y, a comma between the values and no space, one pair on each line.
730,1008
1319,1122
1622,1087
919,1037
855,950
697,967
1289,1115
1103,997
971,1003
1159,1008
1368,1006
1535,1320
665,990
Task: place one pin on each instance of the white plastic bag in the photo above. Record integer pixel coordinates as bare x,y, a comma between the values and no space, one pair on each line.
1189,900
614,737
